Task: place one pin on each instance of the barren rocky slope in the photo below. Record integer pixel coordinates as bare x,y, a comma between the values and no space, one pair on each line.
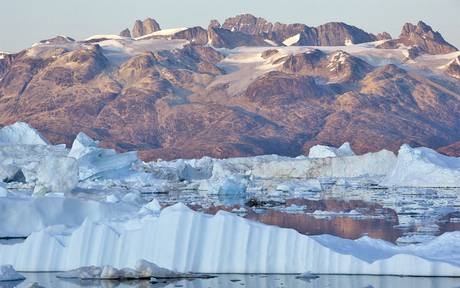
245,87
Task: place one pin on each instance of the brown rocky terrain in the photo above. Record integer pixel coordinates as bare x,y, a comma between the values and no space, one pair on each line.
177,96
421,36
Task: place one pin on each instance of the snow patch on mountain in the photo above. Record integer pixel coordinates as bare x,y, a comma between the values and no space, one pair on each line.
292,40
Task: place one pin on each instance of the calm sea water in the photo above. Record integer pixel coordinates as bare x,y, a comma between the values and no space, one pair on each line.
49,280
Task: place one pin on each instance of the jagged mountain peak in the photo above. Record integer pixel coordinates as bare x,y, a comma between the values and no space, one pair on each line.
145,27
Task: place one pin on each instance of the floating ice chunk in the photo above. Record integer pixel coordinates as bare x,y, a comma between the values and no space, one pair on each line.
423,167
228,178
7,273
108,272
89,272
95,162
180,170
82,145
322,151
56,174
21,133
146,269
143,270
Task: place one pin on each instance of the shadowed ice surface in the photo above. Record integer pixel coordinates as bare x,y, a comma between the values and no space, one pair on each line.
253,281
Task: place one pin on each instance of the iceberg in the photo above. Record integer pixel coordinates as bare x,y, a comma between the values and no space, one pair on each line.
56,174
21,133
182,240
423,167
376,164
96,163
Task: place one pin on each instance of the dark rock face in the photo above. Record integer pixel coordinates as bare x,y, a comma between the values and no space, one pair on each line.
383,36
336,67
58,40
196,35
142,28
125,33
338,33
330,34
421,36
223,38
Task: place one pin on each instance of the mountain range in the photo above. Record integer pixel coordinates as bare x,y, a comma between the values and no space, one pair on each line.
244,87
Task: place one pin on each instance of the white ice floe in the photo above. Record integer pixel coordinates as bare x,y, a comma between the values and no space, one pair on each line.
423,167
183,240
292,40
7,273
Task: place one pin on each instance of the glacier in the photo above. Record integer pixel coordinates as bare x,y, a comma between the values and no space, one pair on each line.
85,206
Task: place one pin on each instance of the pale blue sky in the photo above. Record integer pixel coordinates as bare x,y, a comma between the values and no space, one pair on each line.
24,22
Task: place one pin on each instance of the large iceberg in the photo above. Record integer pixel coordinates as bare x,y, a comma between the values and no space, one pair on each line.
424,167
367,165
183,240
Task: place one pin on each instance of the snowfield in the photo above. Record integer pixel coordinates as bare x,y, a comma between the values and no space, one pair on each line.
83,207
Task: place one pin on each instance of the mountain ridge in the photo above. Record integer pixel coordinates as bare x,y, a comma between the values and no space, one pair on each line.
172,95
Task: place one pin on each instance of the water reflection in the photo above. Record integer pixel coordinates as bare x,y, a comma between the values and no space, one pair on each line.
252,281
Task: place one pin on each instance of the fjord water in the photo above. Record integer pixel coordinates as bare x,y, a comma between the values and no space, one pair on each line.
251,281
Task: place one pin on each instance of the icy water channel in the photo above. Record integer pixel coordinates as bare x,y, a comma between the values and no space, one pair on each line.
398,215
49,280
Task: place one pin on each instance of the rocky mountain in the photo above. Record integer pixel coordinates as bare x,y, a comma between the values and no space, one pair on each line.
422,37
453,68
174,94
330,34
142,28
